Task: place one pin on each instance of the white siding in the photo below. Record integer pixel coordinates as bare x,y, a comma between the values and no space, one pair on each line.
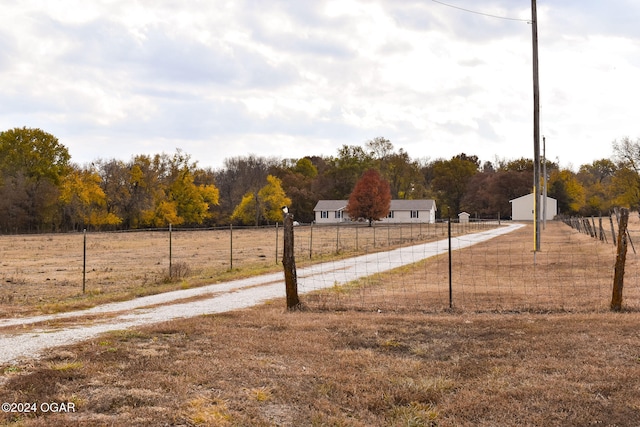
334,211
522,208
405,217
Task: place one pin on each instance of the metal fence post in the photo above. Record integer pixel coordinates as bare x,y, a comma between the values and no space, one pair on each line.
84,260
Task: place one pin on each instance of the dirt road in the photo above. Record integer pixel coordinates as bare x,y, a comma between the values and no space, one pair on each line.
48,331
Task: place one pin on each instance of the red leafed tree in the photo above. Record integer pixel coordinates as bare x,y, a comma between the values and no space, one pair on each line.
371,197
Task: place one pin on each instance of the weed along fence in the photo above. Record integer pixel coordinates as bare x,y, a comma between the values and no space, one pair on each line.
572,271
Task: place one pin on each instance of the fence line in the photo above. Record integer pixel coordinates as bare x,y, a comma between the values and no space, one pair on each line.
573,271
588,226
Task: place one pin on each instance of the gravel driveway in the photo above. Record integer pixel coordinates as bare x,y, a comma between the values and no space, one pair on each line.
217,298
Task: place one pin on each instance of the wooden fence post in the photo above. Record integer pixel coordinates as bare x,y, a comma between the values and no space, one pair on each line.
289,265
613,231
621,256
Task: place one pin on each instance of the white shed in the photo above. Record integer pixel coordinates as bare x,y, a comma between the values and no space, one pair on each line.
522,208
463,217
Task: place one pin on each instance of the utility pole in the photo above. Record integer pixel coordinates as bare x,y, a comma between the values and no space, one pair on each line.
536,129
544,183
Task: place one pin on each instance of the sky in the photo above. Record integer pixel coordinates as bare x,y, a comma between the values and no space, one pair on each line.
290,78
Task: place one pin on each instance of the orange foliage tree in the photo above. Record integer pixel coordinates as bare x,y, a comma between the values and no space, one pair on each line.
371,197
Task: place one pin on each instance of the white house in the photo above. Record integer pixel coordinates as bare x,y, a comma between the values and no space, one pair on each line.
331,211
522,208
401,211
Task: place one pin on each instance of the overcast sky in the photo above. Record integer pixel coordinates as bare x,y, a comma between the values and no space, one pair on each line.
289,78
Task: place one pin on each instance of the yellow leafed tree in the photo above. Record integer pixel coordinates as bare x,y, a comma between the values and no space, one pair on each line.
83,200
265,205
182,202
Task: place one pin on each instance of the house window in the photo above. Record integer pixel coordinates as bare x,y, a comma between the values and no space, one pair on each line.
414,214
338,215
324,214
390,214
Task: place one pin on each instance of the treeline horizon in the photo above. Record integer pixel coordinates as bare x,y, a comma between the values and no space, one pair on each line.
42,190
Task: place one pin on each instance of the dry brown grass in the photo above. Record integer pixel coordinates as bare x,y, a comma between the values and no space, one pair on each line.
43,273
360,366
266,367
572,272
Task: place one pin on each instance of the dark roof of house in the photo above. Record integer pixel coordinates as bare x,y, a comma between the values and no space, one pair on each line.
331,205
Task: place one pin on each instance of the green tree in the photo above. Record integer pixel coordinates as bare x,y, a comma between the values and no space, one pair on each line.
519,165
305,167
370,198
32,166
345,170
450,180
298,183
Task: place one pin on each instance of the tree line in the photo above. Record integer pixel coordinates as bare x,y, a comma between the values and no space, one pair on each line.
41,189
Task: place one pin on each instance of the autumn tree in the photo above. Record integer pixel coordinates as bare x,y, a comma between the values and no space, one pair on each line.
370,198
181,201
239,176
264,205
567,190
596,179
625,183
625,188
136,188
153,191
83,201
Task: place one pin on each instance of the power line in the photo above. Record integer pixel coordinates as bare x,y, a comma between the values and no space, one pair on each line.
481,13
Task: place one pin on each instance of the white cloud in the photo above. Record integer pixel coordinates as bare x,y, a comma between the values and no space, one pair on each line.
220,79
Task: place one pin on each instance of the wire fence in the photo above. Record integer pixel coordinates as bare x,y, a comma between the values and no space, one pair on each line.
571,272
400,266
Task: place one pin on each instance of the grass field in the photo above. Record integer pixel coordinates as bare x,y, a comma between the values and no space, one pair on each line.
387,362
44,273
